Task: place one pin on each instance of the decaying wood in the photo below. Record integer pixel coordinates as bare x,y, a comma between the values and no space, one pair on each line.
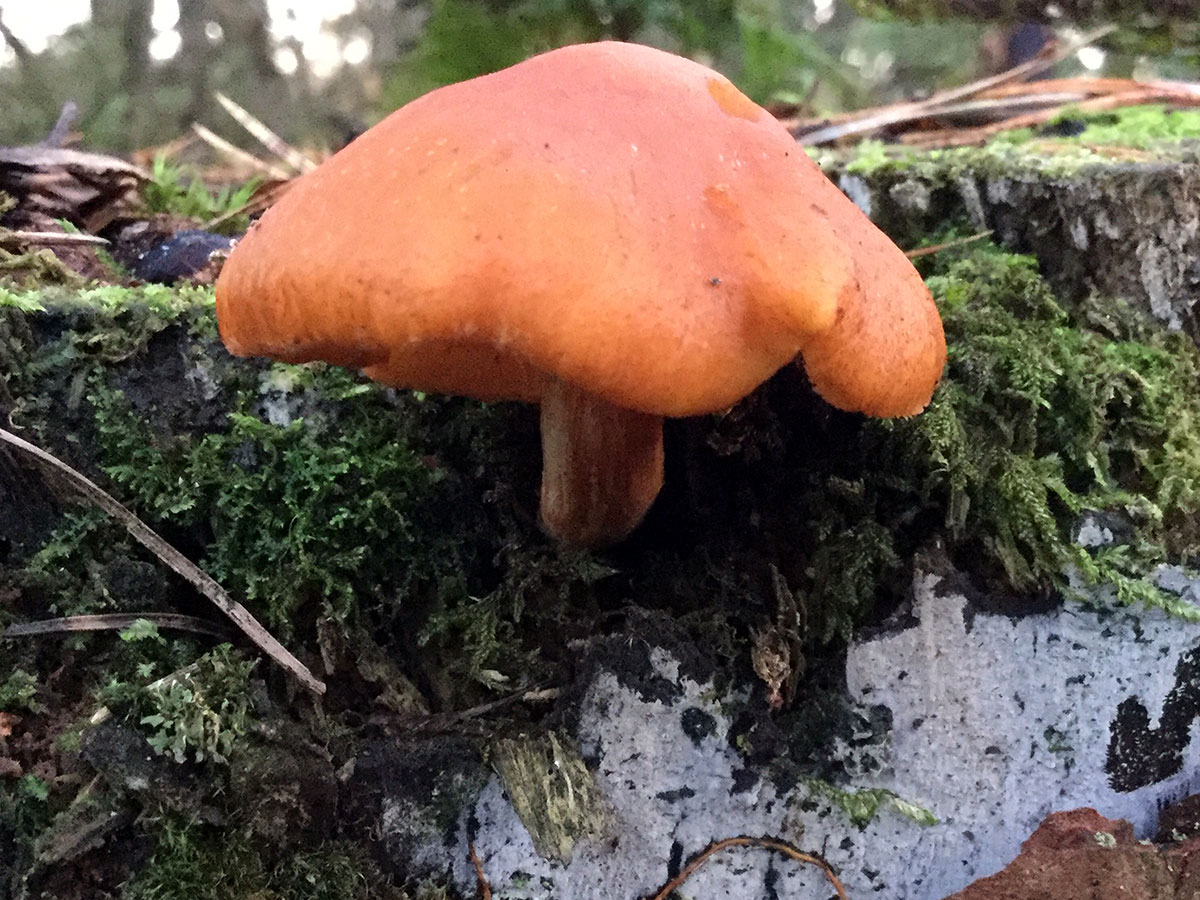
88,189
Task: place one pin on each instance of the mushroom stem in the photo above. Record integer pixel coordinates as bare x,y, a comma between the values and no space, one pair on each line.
602,466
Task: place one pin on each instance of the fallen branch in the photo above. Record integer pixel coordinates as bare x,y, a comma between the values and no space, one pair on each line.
766,843
173,559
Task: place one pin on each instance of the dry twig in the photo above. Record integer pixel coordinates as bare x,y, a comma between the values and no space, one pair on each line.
485,889
237,154
116,622
1000,102
267,137
51,238
452,720
957,242
766,843
174,560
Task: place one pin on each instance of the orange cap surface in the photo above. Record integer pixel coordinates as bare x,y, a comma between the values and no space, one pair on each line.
606,214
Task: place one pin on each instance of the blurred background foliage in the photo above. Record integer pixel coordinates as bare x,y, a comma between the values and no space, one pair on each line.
142,71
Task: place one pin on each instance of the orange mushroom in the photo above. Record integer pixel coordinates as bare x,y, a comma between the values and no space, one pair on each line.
613,232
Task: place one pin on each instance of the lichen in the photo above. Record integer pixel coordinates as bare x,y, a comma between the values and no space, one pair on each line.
864,805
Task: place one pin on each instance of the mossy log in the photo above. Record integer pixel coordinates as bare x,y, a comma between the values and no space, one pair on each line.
483,680
1119,223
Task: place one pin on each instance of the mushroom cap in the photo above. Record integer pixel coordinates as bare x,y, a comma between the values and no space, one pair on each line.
607,214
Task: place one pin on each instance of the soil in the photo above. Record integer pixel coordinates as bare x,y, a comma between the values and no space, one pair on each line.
1081,855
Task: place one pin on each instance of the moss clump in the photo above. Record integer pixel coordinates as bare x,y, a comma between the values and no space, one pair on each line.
19,692
1140,127
26,811
197,862
167,303
1051,152
1170,133
1071,143
322,496
335,514
1049,414
1044,415
198,712
304,490
1018,156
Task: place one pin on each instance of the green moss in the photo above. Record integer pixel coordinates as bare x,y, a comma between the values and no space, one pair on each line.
363,504
168,303
1108,139
1045,416
196,713
331,511
1153,126
26,810
345,511
89,565
19,692
104,325
21,301
34,267
1149,127
197,862
1104,139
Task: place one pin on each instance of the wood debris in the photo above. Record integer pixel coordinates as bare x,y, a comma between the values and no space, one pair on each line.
975,112
88,189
